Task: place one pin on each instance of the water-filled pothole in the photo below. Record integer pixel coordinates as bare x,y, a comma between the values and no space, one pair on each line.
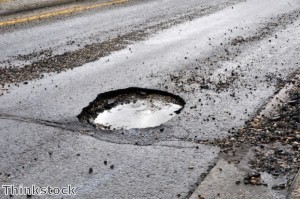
132,108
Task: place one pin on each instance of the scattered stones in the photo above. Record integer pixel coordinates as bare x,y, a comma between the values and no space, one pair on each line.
279,187
200,197
253,178
50,63
274,142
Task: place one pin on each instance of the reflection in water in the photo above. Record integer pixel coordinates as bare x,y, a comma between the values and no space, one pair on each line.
141,114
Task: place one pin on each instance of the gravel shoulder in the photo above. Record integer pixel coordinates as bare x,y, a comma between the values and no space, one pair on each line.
261,159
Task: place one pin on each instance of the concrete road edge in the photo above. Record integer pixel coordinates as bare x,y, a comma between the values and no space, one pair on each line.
295,188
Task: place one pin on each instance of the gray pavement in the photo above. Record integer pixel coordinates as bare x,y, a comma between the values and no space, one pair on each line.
295,190
13,6
44,156
41,135
222,183
98,25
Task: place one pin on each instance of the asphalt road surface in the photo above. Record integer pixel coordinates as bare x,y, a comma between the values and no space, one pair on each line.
223,57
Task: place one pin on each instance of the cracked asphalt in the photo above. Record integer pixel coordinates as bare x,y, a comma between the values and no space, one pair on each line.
225,58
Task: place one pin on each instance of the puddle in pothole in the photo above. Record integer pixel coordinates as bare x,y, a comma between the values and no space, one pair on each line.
132,108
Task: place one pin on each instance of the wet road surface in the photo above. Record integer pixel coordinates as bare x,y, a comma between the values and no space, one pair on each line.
224,58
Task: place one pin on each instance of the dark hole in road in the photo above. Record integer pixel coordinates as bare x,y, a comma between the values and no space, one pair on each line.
132,108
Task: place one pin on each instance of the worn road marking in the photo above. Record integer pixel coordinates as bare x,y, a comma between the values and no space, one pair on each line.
4,1
60,12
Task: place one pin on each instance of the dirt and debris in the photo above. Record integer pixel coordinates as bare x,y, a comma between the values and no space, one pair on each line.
274,141
68,60
47,62
254,178
201,76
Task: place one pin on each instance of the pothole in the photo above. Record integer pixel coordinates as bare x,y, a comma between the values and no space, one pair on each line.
132,108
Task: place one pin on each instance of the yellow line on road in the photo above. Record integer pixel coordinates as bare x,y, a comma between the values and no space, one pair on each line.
3,1
60,12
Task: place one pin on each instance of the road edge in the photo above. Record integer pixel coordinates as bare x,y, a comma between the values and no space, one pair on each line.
294,192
